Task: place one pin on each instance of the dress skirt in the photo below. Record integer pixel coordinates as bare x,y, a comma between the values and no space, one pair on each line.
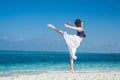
73,42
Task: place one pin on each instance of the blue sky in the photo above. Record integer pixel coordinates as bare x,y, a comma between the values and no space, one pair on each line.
23,24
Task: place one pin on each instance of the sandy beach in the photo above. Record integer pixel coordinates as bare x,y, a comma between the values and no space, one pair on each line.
66,75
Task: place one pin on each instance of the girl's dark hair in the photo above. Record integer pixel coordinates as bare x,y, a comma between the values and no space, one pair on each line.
78,23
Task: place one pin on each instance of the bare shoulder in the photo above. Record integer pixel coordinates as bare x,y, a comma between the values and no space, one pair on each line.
80,29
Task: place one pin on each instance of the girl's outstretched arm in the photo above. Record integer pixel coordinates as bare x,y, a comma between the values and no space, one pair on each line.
72,27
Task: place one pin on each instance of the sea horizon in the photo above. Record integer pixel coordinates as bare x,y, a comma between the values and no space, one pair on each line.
58,51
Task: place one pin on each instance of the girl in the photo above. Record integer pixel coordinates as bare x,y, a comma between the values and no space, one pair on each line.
73,41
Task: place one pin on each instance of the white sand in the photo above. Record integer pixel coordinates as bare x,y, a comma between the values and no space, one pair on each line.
60,75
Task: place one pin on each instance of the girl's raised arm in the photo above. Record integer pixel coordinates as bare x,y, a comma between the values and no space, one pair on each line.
74,28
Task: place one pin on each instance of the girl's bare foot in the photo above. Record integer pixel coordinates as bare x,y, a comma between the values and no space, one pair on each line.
51,26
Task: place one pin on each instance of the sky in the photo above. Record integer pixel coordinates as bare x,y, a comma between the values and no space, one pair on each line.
23,24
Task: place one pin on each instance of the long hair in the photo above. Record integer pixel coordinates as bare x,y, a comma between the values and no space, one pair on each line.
78,23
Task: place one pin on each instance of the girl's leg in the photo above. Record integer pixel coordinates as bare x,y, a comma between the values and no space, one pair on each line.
71,64
54,28
72,57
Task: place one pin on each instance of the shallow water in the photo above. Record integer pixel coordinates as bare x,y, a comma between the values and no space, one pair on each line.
31,62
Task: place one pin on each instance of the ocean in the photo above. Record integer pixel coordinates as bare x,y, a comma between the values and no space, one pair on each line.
36,62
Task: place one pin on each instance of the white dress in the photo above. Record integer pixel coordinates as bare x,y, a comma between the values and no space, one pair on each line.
73,42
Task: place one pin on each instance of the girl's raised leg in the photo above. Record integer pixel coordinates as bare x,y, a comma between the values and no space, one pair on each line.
54,28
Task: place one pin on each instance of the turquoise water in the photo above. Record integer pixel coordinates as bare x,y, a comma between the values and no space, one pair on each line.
29,62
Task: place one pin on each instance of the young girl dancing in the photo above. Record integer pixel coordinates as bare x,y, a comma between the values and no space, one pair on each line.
73,41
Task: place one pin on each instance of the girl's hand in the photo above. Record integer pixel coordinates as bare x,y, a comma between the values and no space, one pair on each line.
68,25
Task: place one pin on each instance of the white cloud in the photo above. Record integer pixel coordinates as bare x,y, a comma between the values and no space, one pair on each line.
19,39
119,45
3,38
